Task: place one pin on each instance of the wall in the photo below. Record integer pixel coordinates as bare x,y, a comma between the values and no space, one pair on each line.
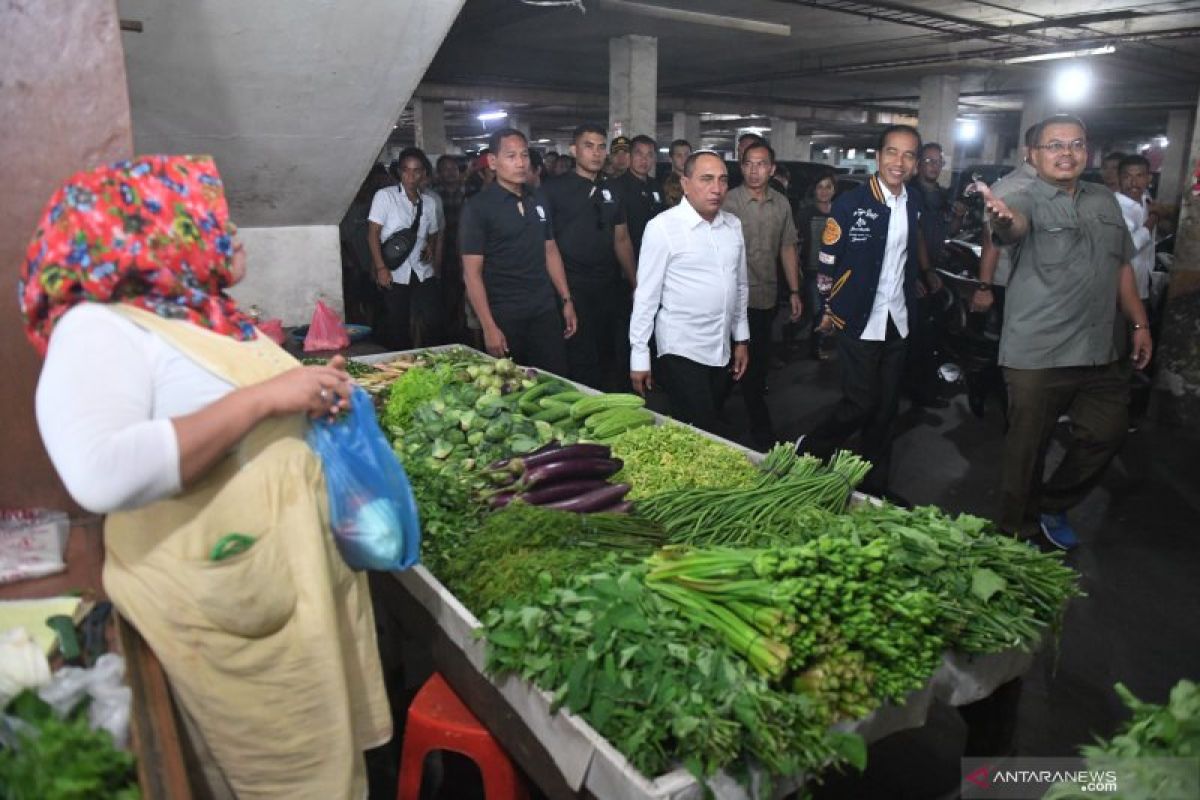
288,269
58,115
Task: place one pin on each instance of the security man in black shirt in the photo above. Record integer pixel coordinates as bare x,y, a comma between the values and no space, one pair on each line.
640,190
511,265
588,220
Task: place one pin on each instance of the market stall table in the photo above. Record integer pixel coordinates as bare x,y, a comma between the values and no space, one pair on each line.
564,755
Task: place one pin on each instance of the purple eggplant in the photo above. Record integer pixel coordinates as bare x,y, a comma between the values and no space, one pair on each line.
595,500
502,499
561,490
624,507
576,468
550,446
569,453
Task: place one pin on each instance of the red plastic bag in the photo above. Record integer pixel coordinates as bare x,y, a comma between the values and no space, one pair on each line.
326,331
273,330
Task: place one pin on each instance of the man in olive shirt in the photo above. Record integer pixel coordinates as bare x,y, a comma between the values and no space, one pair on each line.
511,265
770,237
1057,348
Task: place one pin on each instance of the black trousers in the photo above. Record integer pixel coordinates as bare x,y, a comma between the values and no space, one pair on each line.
535,340
693,390
593,353
754,382
410,315
871,376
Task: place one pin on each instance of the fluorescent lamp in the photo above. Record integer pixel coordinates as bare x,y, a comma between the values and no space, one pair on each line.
968,129
488,116
1091,51
850,153
1161,141
1071,85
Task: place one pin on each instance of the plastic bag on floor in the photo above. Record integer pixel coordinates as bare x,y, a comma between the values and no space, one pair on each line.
371,506
326,331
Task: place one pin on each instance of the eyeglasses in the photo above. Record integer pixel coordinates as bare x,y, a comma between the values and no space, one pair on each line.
937,161
1056,147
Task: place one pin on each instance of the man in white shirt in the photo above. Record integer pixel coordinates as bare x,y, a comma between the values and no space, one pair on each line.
870,265
692,292
411,299
1141,217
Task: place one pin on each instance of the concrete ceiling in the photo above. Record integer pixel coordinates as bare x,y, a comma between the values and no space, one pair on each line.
842,65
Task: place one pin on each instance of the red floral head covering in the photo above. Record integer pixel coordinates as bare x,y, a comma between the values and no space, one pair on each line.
153,232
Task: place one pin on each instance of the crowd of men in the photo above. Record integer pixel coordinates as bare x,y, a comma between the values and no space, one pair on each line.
587,266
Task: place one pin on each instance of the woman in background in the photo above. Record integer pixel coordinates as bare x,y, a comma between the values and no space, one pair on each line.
810,222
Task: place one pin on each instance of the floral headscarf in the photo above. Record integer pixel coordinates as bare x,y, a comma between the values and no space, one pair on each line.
153,232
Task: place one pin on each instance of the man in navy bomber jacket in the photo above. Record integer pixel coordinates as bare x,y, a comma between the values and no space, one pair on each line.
869,270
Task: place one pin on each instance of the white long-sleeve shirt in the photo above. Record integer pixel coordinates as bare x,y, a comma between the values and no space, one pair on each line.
889,292
104,404
692,288
1135,214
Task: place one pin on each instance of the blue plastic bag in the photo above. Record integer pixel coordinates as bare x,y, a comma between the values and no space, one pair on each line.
371,505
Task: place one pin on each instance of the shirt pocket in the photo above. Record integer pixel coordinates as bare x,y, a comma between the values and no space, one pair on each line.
1056,242
1110,235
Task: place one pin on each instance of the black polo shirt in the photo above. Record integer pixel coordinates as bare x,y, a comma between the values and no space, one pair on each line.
643,201
510,233
583,215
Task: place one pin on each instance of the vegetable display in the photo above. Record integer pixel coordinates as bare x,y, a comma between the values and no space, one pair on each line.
695,607
1156,755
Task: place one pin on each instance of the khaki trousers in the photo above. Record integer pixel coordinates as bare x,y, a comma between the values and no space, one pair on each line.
1097,401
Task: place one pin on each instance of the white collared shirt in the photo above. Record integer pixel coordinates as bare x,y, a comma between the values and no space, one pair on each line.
889,292
392,210
692,288
1135,214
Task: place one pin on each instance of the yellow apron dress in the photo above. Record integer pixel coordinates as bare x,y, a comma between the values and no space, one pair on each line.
271,651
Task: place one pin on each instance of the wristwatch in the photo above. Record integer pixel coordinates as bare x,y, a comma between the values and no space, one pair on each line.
566,299
793,291
983,286
1139,326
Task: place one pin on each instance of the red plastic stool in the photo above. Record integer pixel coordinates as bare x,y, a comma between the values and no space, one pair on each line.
438,720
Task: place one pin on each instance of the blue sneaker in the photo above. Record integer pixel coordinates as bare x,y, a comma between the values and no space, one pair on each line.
1058,530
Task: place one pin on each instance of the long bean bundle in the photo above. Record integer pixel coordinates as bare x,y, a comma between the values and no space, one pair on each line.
761,513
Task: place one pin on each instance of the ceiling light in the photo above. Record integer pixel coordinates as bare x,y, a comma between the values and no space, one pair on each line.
1091,51
968,129
663,150
1071,85
826,151
1161,141
488,116
851,153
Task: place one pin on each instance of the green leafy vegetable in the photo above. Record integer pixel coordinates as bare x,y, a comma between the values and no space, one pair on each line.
669,457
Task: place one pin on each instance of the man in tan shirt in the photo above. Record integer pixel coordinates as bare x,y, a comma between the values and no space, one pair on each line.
770,236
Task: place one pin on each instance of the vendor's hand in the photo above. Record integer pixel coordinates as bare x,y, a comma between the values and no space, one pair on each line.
427,252
797,307
494,341
642,382
1143,348
826,324
999,214
315,390
383,278
570,321
741,359
981,301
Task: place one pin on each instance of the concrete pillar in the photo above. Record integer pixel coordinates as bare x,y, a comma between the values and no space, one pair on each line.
804,146
520,124
632,85
1174,173
1035,109
835,155
938,115
686,126
991,146
1177,399
429,122
783,139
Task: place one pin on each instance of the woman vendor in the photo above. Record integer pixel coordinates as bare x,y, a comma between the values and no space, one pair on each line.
163,407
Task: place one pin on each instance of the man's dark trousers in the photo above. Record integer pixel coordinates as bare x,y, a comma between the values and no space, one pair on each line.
590,352
871,376
1097,401
693,390
754,382
535,340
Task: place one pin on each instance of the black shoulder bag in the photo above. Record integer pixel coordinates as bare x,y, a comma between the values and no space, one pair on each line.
400,244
